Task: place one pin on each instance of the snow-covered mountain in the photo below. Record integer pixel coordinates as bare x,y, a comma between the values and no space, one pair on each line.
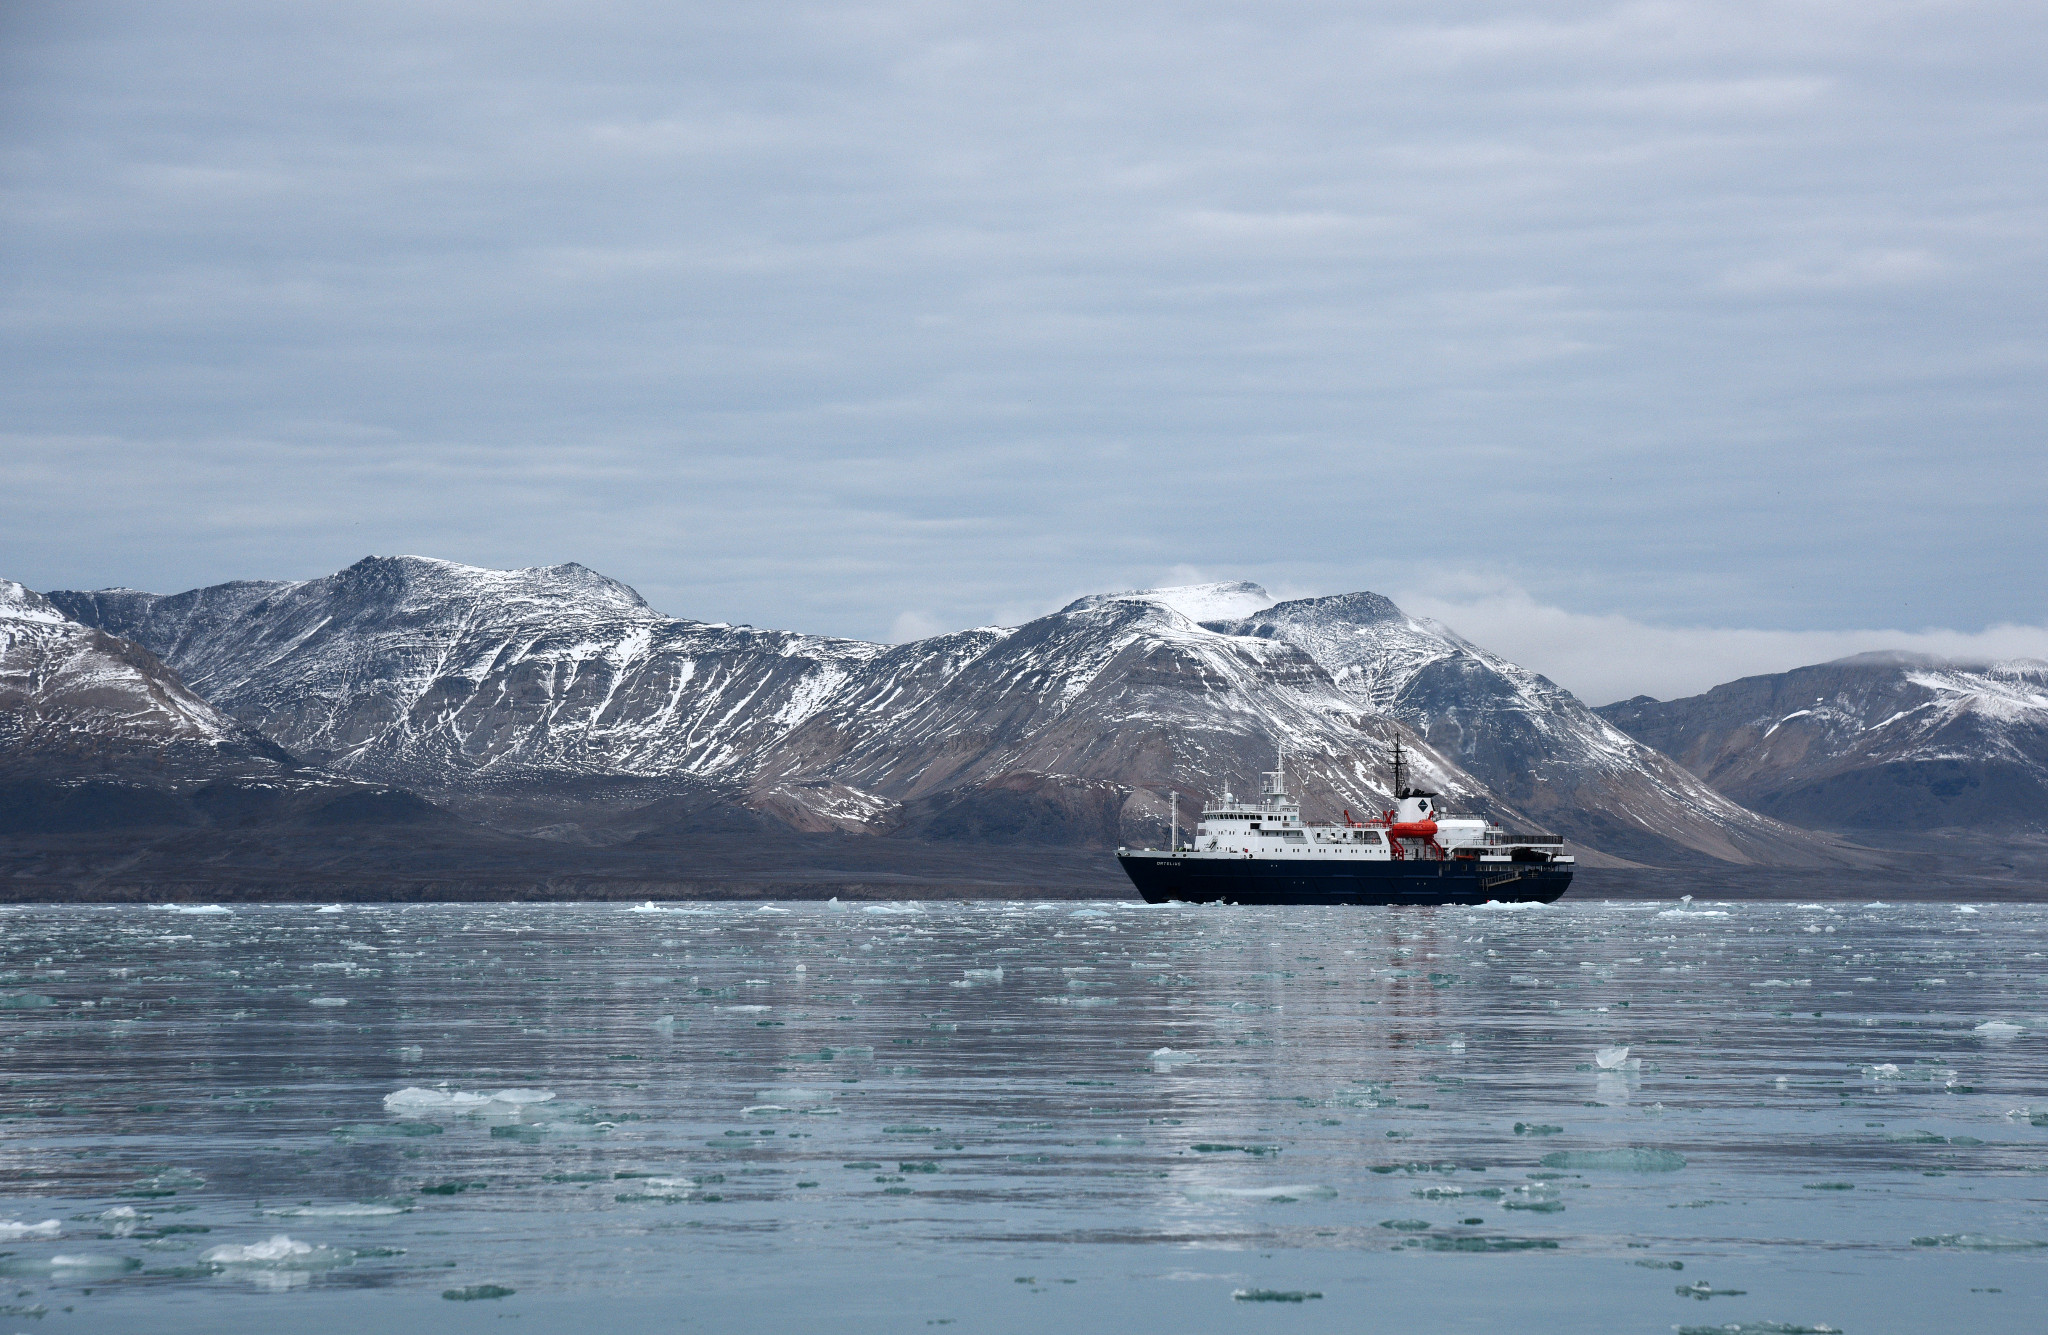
416,671
1086,720
87,702
1073,728
1530,741
1884,740
433,675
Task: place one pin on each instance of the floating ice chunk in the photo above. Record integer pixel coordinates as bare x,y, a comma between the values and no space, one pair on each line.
994,975
1964,908
665,1023
1498,906
328,1001
1999,1029
413,1101
470,1293
1915,1073
411,1053
12,1230
791,1096
1627,1161
1692,913
1165,1059
352,1211
519,1096
190,908
749,1009
278,1249
892,908
1282,1194
1980,1242
76,1263
1609,1059
1273,1295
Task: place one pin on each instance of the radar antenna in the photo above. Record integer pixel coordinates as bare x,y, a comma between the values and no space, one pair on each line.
1401,785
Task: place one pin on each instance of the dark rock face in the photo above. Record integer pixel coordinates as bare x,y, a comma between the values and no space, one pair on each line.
1870,742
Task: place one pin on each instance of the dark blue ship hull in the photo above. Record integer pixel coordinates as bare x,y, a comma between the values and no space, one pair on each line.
1163,878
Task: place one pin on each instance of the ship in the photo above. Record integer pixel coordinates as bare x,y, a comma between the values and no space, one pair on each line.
1262,852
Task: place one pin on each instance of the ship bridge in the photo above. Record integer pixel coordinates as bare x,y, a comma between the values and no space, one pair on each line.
1275,809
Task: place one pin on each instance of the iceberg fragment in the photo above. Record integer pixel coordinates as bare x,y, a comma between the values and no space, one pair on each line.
12,1230
273,1250
1632,1160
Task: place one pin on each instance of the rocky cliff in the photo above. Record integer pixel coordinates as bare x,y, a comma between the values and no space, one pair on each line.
1878,741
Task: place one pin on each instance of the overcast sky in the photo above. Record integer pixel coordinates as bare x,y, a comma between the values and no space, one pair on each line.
1631,321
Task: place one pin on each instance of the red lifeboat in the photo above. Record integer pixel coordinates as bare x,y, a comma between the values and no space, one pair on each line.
1422,831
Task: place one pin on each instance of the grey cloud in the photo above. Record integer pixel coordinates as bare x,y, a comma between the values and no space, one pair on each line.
827,316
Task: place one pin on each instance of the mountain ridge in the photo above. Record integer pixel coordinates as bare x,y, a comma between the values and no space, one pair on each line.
1873,741
1075,727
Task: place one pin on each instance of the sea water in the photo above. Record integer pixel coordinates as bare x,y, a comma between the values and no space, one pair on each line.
1024,1117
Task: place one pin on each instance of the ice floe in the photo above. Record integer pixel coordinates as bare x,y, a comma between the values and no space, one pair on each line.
276,1250
414,1101
1626,1160
13,1230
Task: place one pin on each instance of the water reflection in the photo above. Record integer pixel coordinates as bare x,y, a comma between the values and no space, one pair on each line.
412,1097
